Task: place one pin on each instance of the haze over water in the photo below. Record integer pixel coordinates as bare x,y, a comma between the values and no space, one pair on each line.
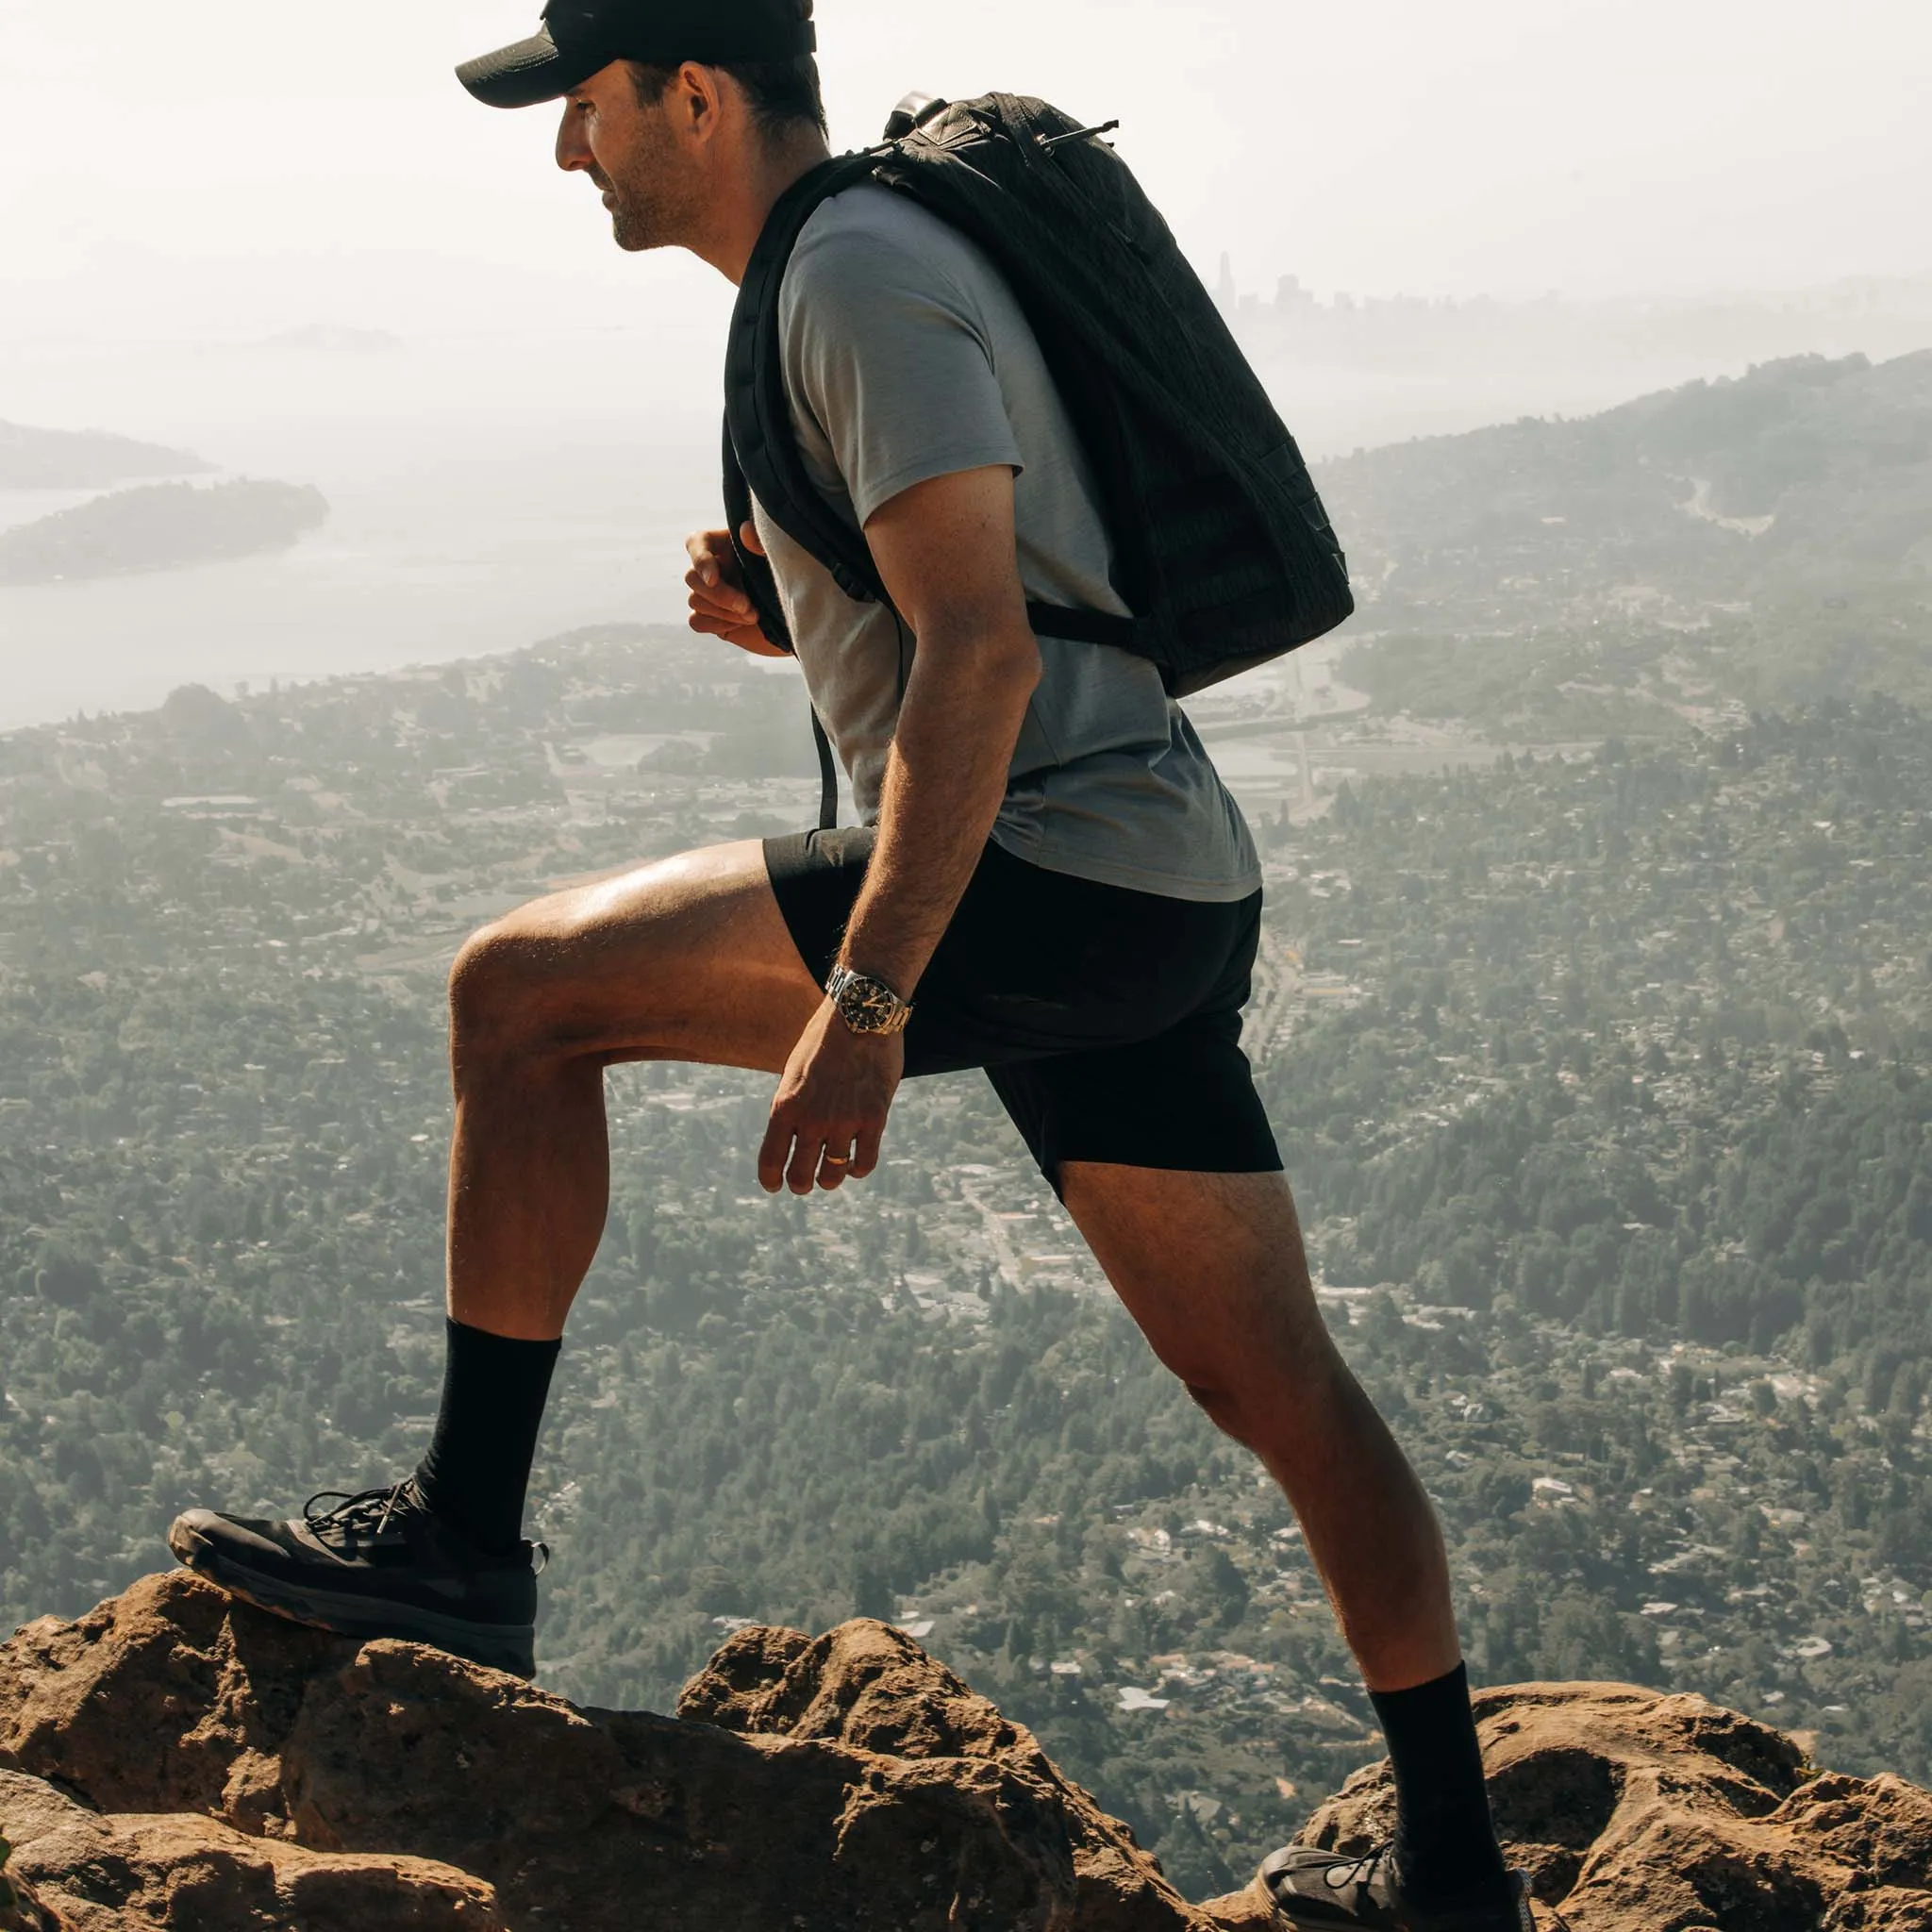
460,525
528,451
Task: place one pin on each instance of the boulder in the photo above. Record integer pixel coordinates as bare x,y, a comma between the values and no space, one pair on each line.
870,1687
74,1869
173,1759
848,1783
1640,1813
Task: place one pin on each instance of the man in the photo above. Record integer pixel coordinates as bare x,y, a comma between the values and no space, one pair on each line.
1051,883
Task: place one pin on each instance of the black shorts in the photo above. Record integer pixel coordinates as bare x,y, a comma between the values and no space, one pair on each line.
1108,1021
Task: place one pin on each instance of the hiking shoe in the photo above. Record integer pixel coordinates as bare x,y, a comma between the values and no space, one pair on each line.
1324,1892
380,1564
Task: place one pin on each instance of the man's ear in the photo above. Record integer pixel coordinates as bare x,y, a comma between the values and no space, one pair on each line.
696,101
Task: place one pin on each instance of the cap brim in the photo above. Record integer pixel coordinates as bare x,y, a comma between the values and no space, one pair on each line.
527,73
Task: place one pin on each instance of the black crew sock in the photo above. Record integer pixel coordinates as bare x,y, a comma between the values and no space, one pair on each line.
1446,1845
477,1470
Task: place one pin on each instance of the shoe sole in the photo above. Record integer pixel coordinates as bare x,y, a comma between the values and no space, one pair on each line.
1306,1920
1306,1916
508,1647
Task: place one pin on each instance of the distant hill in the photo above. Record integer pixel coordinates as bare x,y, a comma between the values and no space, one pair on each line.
1799,470
1759,540
84,460
159,527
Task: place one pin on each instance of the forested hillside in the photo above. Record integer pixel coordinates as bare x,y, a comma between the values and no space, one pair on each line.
1798,468
83,459
159,527
1766,539
1605,1079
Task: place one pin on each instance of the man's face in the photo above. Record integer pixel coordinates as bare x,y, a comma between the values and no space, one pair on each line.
627,146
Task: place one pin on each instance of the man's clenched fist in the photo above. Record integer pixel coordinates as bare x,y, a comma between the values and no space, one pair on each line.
719,606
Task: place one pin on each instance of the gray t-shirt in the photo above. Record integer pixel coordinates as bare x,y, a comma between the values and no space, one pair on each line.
908,358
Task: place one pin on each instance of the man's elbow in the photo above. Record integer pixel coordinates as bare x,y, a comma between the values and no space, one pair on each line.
1021,664
999,660
1010,660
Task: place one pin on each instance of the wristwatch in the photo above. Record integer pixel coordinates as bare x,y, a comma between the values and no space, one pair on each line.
866,1004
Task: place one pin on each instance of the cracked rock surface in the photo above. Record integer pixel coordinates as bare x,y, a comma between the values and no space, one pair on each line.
1640,1813
174,1760
224,1769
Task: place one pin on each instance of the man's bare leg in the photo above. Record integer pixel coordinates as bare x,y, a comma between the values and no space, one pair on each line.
688,959
1211,1267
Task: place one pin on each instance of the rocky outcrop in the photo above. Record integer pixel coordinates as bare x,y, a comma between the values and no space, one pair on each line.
73,1868
173,1759
848,1783
1640,1813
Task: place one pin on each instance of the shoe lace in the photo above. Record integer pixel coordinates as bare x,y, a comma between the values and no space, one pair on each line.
366,1514
1361,1871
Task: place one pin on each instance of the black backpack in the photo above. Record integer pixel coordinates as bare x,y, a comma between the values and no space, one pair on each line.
1221,546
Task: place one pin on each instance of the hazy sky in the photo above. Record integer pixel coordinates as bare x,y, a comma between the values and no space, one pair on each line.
169,169
177,183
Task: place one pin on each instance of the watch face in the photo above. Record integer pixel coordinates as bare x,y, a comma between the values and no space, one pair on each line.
866,1004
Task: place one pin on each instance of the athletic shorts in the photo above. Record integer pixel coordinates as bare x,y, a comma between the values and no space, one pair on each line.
1108,1021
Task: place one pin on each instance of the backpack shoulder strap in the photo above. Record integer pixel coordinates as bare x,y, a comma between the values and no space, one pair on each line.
762,586
761,451
758,415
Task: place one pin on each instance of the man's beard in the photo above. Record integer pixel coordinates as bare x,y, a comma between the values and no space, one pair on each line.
637,224
640,218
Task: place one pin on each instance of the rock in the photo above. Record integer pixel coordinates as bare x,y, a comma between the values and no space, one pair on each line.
1640,1813
174,1760
869,1686
850,1783
87,1872
20,1909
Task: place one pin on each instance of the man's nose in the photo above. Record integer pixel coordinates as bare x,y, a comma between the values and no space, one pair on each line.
573,150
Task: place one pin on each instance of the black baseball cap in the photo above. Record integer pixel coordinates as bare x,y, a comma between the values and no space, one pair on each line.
580,38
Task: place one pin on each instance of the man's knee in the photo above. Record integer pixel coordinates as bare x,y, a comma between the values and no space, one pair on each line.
1222,1405
1259,1396
488,982
512,978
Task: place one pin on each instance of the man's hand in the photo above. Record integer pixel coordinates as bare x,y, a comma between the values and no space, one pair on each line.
719,606
829,1114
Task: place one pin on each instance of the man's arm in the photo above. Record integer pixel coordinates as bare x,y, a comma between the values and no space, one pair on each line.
948,552
948,556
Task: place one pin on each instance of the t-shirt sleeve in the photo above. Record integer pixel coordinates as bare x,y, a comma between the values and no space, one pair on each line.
886,352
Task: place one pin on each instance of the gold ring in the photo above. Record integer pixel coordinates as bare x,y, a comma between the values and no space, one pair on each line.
838,1161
